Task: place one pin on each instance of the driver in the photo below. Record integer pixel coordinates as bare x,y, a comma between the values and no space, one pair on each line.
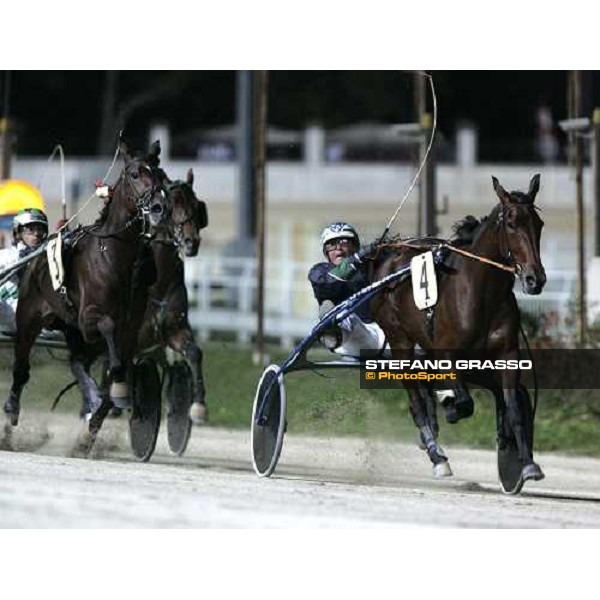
30,229
336,280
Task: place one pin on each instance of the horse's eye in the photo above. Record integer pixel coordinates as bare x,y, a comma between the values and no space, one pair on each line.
135,175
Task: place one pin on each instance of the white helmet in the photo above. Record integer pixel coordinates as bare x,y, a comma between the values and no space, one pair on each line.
337,230
27,216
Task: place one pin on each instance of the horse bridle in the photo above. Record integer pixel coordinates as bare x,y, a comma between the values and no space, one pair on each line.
143,201
507,254
142,206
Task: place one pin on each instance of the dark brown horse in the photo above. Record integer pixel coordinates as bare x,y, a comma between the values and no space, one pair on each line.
476,310
165,309
166,321
96,303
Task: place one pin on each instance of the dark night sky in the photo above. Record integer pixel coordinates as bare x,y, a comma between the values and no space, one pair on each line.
48,107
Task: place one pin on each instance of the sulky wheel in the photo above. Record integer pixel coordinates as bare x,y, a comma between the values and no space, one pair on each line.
145,416
179,392
268,421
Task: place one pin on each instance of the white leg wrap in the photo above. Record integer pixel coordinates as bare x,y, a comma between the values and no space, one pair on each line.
443,395
119,394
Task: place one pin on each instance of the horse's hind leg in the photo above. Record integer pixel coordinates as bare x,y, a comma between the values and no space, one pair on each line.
429,400
431,407
90,394
198,410
21,367
89,436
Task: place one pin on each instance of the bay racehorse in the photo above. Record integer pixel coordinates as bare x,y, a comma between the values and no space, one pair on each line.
102,279
164,307
476,310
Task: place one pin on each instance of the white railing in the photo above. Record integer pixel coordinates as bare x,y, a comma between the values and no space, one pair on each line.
222,295
223,299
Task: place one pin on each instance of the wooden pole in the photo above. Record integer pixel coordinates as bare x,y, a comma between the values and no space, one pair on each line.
260,124
5,133
576,90
420,109
428,198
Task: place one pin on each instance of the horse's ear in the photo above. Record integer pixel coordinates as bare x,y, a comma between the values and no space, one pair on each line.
153,157
500,191
534,187
190,177
155,148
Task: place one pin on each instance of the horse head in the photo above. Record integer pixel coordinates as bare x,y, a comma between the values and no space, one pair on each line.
141,185
189,214
521,225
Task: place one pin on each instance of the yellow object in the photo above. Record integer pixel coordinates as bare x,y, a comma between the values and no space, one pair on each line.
15,195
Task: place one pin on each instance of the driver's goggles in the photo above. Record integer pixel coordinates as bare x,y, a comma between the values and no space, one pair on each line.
35,228
341,242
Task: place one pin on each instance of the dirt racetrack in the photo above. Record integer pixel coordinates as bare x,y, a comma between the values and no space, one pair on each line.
319,483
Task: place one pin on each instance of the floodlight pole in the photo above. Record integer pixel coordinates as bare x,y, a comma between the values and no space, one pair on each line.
575,84
245,148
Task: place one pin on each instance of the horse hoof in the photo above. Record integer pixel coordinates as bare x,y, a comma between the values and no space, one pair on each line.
199,413
442,469
532,472
12,410
12,417
122,402
115,412
6,440
84,444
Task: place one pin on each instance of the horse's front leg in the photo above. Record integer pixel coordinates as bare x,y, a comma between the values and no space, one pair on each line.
519,420
88,437
183,342
419,413
117,366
